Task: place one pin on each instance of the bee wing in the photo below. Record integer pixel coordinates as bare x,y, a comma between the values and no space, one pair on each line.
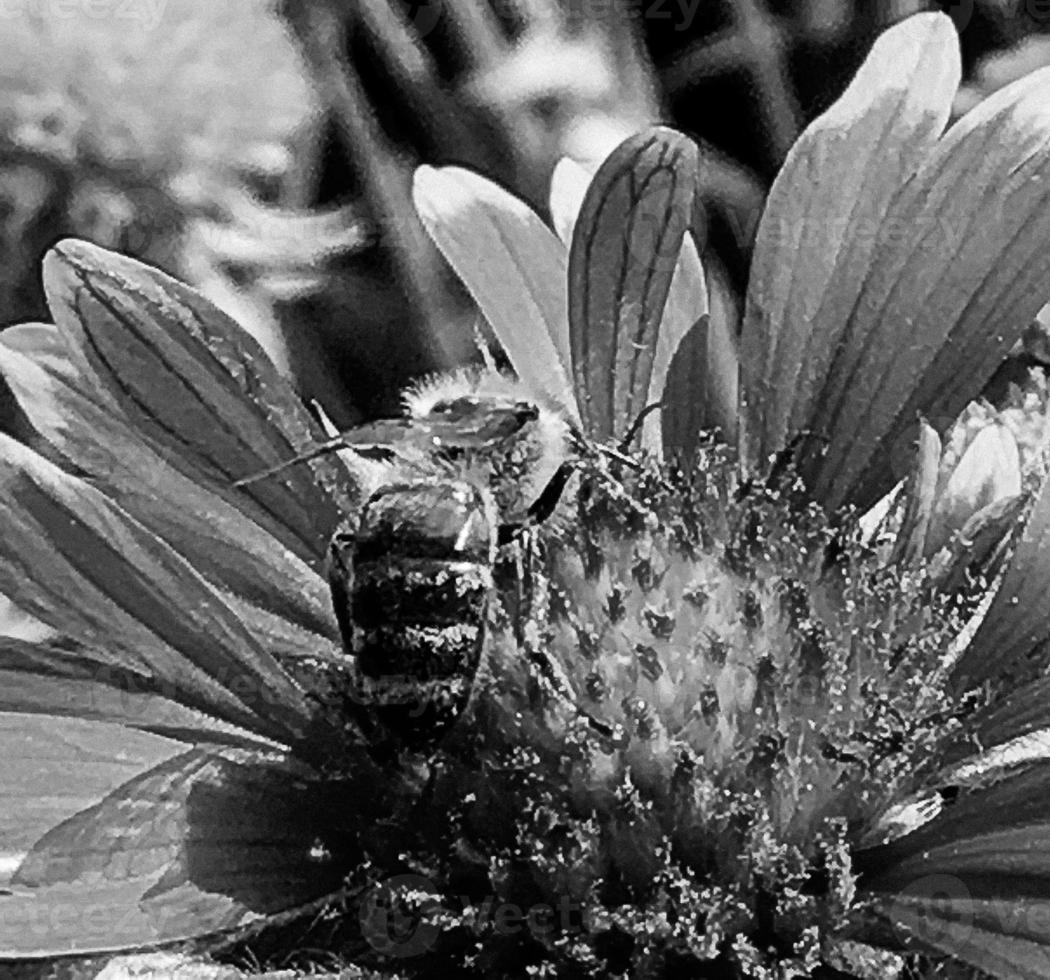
201,842
625,248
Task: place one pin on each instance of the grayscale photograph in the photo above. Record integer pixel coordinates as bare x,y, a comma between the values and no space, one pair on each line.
542,489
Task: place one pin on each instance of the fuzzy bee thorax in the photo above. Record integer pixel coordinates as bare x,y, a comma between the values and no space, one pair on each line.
487,428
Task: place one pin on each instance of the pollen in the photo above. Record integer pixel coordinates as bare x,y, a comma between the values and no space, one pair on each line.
745,689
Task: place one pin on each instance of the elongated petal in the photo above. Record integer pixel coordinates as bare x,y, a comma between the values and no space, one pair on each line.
686,306
203,842
1018,618
943,303
989,471
919,496
625,249
217,539
699,390
44,343
191,381
985,934
980,546
513,266
569,184
714,388
1022,711
822,220
61,678
80,564
973,882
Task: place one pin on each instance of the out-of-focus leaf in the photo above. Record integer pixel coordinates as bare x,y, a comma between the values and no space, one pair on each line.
512,264
80,564
625,249
823,224
198,387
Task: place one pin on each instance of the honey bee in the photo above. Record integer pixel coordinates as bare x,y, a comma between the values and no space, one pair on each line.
472,465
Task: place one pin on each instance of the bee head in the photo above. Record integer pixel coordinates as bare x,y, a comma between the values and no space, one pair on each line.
491,429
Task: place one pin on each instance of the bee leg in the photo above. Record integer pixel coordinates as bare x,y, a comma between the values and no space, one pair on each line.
540,509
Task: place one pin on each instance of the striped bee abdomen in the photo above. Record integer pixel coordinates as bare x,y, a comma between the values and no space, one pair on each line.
410,585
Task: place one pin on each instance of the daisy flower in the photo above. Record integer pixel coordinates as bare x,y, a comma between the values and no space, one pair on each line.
762,699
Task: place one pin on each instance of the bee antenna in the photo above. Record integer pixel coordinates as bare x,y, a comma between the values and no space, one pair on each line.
541,508
321,449
620,457
636,425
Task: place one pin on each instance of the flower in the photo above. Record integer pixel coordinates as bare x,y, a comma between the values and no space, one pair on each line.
895,266
718,731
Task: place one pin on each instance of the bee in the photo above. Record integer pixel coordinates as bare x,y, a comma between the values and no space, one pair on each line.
471,467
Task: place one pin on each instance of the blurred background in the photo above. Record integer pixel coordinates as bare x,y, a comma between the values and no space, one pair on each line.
263,150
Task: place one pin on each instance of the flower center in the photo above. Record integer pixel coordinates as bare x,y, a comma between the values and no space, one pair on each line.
736,693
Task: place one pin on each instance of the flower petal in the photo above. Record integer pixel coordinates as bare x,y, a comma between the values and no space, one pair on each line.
816,238
919,496
715,395
977,552
686,307
973,881
514,267
980,933
203,842
43,342
218,540
80,564
700,390
942,306
196,385
625,250
569,184
989,471
1022,711
1017,619
60,678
